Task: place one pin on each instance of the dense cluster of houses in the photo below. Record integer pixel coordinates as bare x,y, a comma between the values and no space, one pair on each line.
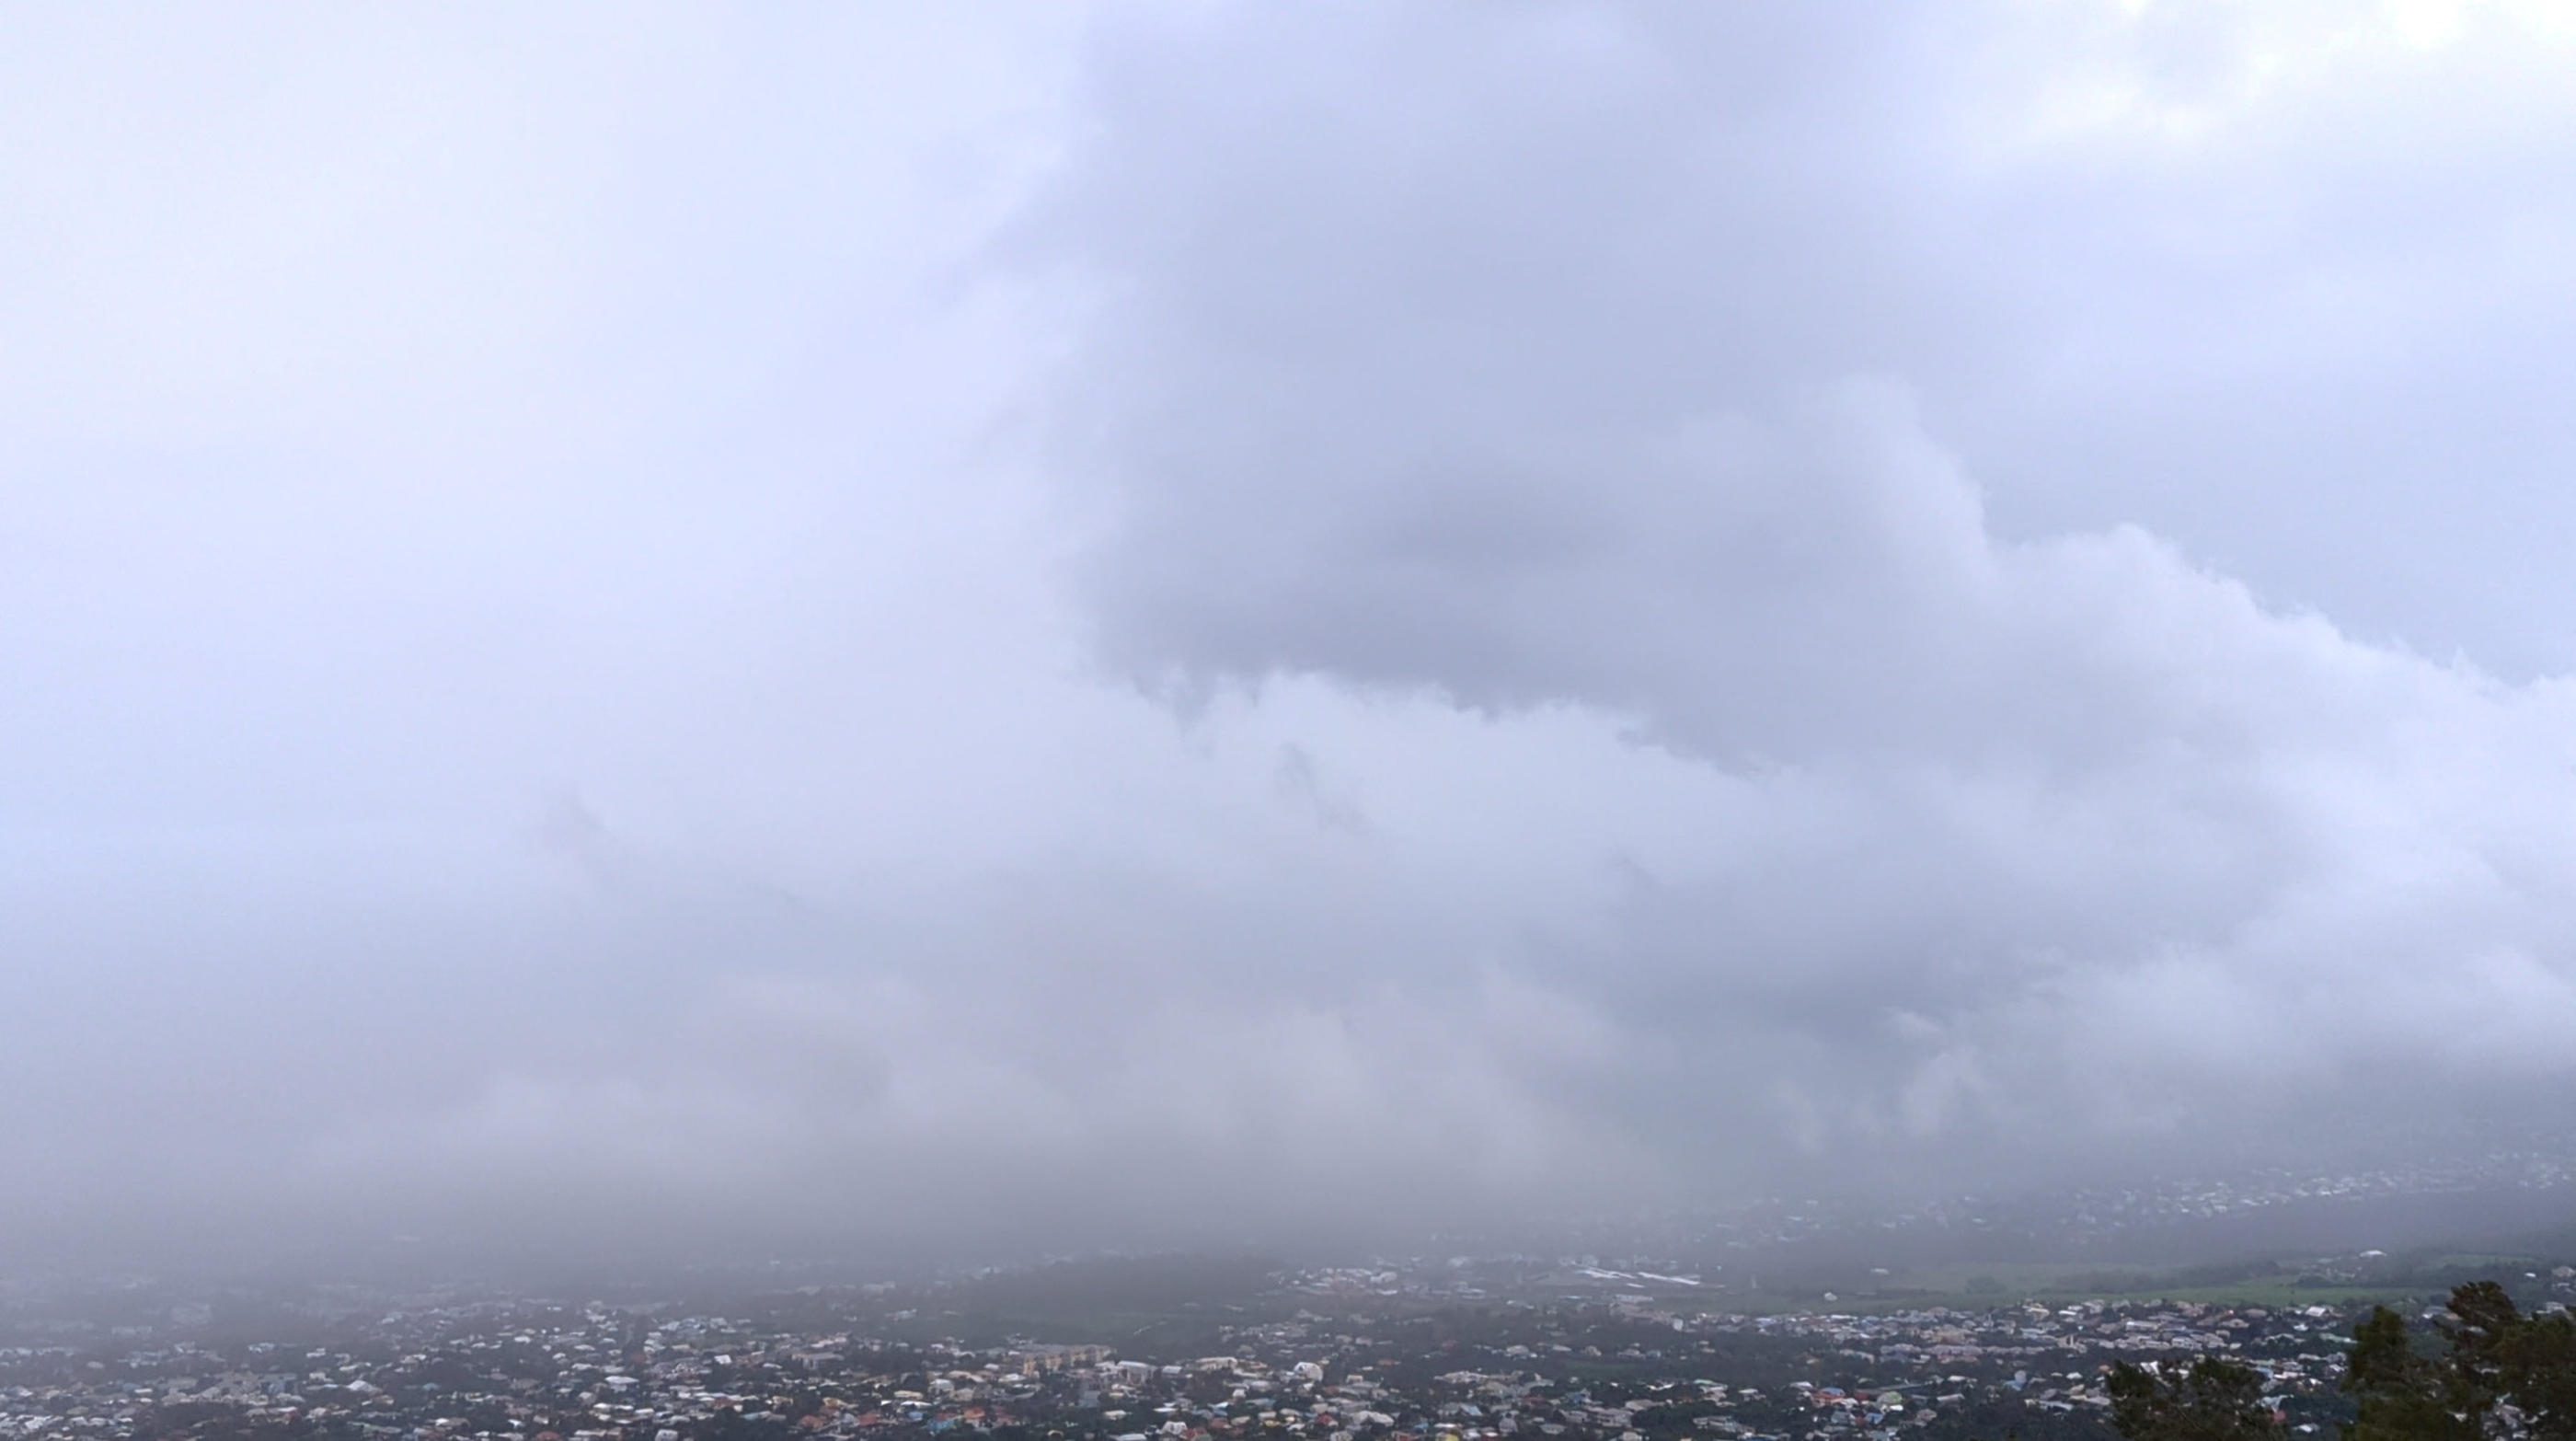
1348,1356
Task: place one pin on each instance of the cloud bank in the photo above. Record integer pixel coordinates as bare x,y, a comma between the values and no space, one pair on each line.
1578,358
1199,624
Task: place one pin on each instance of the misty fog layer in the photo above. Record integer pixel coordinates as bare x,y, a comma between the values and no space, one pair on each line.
952,629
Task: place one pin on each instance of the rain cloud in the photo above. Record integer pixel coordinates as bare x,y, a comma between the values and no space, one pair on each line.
917,630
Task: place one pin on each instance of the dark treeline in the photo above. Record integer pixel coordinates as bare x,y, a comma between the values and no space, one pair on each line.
2485,1372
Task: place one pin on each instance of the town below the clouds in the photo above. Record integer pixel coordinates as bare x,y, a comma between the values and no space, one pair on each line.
1763,1325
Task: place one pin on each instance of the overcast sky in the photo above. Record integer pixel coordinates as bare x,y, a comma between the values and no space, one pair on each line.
979,626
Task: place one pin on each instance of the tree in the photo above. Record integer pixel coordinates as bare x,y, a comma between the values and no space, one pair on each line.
2501,1373
2542,1376
2213,1400
2401,1394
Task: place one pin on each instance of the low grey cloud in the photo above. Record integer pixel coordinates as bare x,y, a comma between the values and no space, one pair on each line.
977,632
1649,363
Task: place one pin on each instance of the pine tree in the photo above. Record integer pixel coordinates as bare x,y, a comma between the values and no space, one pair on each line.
2501,1373
2214,1400
2403,1395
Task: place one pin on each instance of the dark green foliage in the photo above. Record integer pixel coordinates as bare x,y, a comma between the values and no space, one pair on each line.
2527,1363
2501,1373
2400,1394
2214,1400
2542,1378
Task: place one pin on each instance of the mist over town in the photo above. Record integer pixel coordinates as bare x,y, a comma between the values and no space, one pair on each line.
871,689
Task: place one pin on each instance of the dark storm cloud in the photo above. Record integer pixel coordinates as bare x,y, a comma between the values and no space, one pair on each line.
2119,257
1606,357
